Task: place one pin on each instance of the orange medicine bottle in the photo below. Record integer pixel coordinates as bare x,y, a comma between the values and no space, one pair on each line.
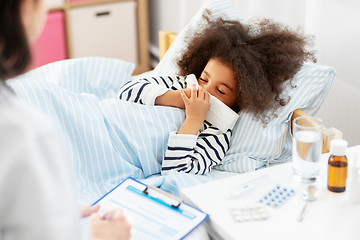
337,166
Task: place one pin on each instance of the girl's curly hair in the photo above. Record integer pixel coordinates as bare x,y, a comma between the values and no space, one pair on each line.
262,55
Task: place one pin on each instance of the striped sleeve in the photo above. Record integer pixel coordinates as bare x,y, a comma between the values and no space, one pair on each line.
146,90
196,154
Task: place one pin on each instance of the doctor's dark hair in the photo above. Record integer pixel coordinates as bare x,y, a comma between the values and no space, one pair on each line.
262,55
14,48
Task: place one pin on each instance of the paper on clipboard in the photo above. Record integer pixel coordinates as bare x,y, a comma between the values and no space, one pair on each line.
151,214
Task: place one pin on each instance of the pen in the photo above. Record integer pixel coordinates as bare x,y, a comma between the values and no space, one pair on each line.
109,215
248,186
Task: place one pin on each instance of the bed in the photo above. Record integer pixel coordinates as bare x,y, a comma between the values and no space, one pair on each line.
110,140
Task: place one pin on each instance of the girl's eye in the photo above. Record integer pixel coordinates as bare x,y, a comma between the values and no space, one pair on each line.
220,91
201,79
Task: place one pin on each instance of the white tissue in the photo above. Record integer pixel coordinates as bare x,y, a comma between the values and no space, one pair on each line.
191,80
219,115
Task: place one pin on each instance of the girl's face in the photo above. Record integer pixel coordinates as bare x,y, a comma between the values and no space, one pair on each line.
33,13
219,80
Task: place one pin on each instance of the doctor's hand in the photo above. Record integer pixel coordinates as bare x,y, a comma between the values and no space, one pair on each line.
86,211
113,228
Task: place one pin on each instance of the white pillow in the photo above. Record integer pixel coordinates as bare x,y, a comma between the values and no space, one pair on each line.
253,145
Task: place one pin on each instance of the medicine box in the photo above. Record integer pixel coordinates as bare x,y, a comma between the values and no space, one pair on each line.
106,30
51,44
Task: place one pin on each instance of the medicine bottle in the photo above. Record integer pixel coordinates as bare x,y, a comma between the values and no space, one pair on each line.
337,166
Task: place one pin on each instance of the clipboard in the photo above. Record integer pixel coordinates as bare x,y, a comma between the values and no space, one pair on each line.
151,212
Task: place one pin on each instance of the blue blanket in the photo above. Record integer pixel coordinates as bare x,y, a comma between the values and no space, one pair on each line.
108,139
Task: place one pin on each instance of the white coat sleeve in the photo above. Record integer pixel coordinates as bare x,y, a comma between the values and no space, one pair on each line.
38,200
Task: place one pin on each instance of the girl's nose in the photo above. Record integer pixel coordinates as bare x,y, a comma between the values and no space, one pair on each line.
208,88
204,85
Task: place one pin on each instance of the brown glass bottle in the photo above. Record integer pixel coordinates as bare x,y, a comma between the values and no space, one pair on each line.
337,166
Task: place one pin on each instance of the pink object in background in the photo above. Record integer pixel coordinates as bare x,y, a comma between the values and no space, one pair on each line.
51,45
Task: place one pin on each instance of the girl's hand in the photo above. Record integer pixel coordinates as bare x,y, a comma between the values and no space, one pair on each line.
197,105
196,108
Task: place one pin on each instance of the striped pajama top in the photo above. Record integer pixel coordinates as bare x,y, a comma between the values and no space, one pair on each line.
185,152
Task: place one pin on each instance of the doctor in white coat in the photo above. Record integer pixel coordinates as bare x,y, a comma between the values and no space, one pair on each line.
37,195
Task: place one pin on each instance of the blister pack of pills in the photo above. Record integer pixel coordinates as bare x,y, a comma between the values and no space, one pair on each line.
277,196
248,212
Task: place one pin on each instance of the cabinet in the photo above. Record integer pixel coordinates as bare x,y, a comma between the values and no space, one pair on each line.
105,28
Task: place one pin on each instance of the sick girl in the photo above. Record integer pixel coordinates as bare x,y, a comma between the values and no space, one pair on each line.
244,66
